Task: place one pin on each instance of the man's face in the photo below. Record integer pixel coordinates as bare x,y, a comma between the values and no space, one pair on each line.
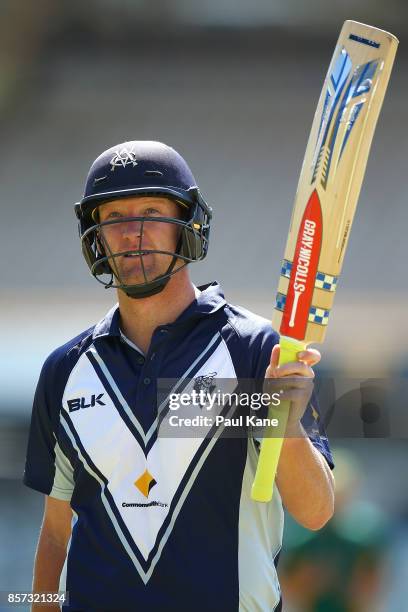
139,236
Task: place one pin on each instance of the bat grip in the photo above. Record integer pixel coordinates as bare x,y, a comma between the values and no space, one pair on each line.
271,447
289,348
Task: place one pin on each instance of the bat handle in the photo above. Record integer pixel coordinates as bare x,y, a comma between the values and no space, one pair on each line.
271,447
289,348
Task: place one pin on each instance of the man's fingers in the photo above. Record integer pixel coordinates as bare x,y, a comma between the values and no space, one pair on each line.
293,368
310,356
289,389
274,362
275,356
301,394
302,367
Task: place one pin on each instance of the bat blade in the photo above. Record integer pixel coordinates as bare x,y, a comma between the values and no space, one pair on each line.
331,179
329,185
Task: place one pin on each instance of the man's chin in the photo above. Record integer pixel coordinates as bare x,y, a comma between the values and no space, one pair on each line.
139,278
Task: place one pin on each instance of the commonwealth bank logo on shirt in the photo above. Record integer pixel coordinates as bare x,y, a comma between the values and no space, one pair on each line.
144,484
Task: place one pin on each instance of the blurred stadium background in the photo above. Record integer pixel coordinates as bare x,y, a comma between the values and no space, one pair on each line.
233,86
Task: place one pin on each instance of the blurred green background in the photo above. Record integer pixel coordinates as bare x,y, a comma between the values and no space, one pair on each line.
233,86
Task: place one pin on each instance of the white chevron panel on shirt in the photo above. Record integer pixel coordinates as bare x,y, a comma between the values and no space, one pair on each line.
260,540
116,453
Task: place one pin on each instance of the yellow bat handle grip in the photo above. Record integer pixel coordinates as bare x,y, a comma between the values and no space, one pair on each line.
262,487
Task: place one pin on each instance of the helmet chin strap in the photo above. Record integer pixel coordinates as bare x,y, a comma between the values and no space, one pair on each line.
137,292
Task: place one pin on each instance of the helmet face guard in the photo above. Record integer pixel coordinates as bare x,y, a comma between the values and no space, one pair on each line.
108,265
141,168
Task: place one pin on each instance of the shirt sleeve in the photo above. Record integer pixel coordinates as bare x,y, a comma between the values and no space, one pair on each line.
47,469
63,485
313,425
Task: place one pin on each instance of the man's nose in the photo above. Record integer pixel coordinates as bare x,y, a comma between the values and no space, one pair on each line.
131,229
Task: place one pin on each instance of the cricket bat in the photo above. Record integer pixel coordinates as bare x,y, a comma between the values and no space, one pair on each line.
329,186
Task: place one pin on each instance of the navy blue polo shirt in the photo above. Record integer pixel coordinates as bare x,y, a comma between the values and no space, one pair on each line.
159,523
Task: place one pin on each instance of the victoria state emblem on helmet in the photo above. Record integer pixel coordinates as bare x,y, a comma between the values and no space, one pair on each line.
123,157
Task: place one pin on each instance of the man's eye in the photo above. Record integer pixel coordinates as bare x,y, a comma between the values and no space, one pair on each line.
114,214
151,211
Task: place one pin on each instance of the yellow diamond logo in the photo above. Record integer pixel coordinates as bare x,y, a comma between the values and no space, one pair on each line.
145,483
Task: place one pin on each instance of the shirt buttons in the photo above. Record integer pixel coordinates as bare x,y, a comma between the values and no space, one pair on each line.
147,381
140,360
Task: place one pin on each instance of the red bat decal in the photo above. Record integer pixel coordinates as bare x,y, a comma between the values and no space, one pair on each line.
304,269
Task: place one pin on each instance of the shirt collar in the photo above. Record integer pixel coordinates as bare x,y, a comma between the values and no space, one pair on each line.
109,325
208,301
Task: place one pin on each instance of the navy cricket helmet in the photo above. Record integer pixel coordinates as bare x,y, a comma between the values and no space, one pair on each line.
141,168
